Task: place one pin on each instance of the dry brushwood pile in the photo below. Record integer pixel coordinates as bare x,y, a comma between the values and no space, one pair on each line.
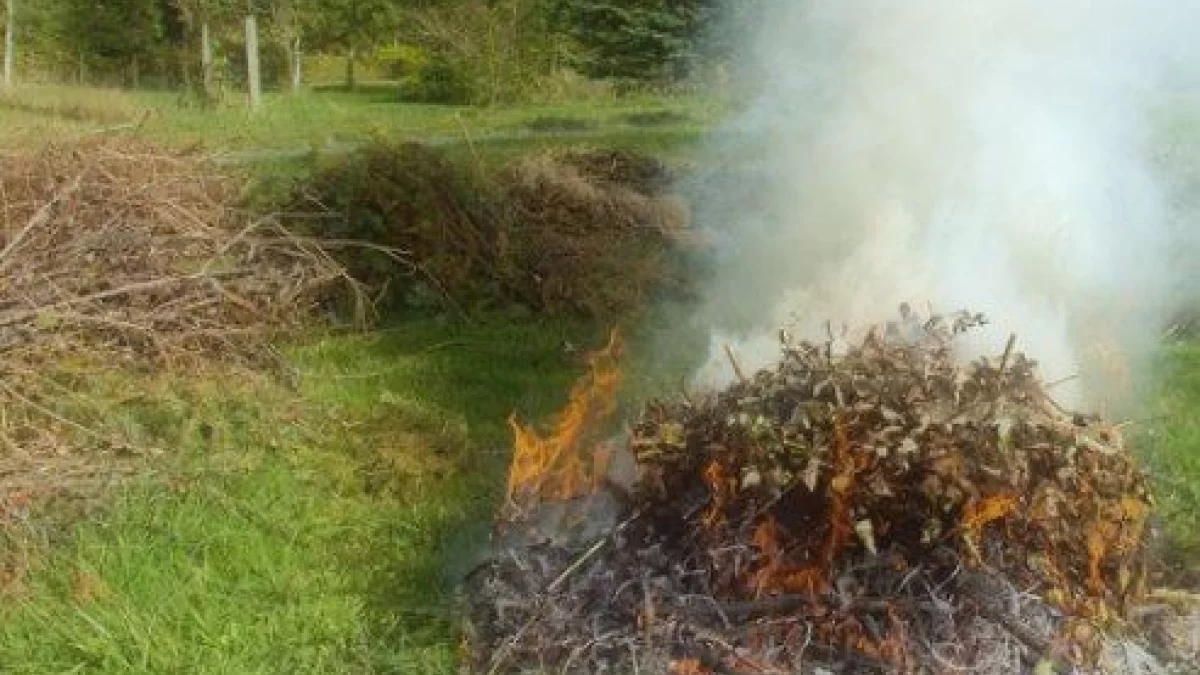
642,174
592,234
589,234
121,253
871,507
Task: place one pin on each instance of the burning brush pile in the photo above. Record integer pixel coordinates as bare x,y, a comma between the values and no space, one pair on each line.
865,507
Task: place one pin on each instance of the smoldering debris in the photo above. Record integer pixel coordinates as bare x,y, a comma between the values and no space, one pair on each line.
1005,155
873,508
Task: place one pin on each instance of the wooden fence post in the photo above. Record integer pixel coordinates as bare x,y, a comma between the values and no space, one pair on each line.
206,65
9,43
254,74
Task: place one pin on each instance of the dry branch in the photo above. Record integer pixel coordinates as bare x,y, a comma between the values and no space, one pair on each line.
123,253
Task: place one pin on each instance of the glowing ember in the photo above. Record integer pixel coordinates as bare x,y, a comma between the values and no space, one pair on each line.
566,463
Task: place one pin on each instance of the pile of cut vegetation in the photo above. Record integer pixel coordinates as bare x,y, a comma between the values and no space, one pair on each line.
869,505
591,234
123,254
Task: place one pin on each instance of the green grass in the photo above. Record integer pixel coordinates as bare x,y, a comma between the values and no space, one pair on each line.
21,128
310,531
331,118
321,528
1171,443
335,120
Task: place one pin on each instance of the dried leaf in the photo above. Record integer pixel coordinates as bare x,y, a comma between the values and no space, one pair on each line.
672,433
690,666
840,484
812,472
866,534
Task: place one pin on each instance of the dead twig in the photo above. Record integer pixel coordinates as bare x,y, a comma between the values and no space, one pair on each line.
119,252
39,219
733,362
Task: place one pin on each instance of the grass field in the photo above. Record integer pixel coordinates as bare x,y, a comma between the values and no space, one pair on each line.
307,531
1171,442
332,121
319,528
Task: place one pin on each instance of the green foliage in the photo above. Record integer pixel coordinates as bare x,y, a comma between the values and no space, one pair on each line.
115,30
289,20
439,80
272,59
653,40
353,27
401,62
459,51
1169,440
193,13
350,24
480,51
40,38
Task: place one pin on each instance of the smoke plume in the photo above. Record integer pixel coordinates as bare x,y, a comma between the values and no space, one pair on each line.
996,155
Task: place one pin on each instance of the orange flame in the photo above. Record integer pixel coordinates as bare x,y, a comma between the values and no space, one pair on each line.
775,574
721,488
840,488
981,512
559,466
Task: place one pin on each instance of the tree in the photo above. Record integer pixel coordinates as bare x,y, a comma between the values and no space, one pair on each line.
119,34
481,51
635,39
38,32
354,27
290,21
199,18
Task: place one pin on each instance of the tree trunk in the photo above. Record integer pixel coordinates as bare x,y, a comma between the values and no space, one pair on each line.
135,75
206,64
351,57
254,74
10,55
297,64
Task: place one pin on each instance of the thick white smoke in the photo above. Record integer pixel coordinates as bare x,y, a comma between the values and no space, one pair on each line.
994,155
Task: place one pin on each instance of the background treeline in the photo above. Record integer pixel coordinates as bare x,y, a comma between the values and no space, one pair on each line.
446,51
